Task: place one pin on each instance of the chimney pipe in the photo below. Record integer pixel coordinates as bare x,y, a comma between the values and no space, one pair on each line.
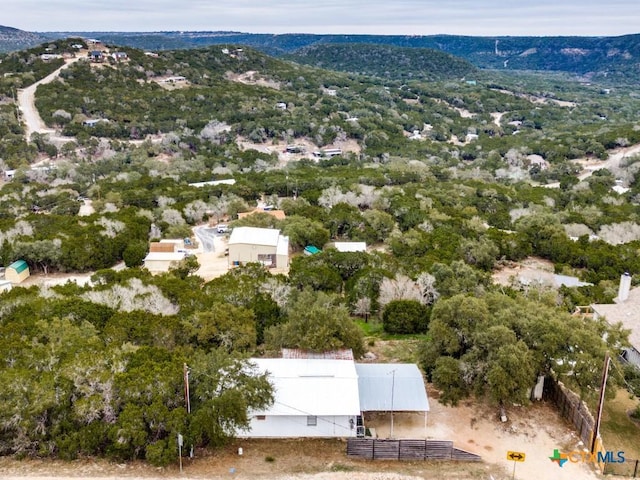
625,286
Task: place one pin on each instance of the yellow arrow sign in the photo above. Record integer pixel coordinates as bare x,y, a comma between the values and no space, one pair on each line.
516,456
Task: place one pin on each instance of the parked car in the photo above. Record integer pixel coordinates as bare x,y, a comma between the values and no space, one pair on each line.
222,228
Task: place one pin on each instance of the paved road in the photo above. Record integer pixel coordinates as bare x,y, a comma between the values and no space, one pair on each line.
206,236
30,116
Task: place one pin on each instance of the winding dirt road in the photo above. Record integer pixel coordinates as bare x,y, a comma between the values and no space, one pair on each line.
30,116
590,166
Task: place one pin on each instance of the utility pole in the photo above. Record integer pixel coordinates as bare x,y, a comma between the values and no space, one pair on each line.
186,387
180,443
603,385
393,383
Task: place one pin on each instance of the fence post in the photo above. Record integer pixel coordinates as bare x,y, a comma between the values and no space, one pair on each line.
635,470
373,449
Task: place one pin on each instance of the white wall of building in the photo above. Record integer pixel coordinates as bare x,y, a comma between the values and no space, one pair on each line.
282,426
246,253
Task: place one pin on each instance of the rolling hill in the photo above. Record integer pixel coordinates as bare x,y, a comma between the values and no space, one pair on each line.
384,61
12,39
612,59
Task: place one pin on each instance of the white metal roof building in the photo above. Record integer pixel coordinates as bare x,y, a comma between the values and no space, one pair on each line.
255,236
313,398
320,397
262,245
157,262
351,246
227,181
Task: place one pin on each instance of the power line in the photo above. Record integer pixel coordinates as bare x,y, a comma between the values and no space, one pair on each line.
628,385
313,415
310,414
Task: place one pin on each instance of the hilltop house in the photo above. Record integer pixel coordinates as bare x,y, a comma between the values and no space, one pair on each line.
96,56
120,56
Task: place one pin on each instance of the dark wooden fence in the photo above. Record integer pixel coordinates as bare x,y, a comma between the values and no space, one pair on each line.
379,449
630,468
571,408
577,413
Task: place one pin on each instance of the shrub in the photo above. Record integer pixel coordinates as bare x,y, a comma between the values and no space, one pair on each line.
405,316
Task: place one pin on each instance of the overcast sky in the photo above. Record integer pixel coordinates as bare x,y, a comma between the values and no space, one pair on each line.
406,17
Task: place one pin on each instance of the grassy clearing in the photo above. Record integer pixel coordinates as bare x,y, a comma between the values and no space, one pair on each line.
395,351
387,347
373,328
619,432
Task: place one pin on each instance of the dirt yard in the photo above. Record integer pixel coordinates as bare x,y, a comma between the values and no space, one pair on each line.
252,77
214,264
536,431
530,268
274,146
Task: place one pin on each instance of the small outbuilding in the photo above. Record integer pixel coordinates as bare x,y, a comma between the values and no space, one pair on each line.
262,245
17,272
350,246
158,262
311,250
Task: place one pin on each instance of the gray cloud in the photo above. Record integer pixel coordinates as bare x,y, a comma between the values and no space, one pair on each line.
415,17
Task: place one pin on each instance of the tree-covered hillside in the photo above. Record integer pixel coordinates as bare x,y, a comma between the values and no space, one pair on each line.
612,59
12,39
385,61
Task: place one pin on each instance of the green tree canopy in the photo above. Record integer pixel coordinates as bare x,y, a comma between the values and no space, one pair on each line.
317,322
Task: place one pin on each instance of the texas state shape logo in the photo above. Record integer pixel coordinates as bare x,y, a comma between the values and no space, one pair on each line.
559,458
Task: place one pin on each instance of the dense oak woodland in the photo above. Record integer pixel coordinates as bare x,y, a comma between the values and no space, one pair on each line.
98,369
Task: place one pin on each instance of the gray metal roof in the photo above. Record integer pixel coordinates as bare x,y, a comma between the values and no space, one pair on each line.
377,382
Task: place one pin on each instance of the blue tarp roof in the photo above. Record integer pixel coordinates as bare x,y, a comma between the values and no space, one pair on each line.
311,249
